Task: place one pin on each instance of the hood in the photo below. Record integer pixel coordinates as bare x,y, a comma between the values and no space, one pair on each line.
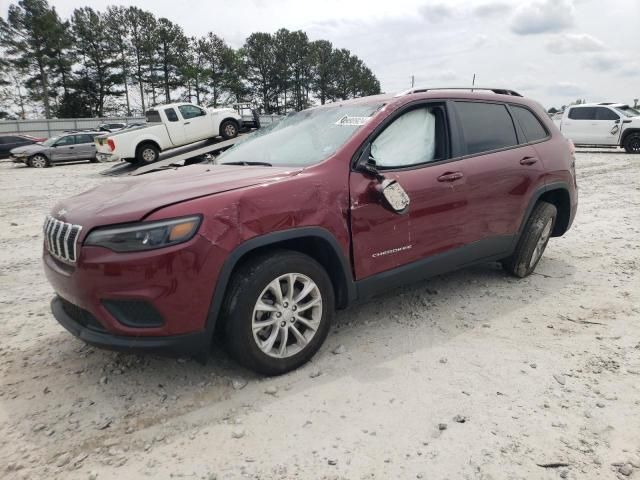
29,149
131,199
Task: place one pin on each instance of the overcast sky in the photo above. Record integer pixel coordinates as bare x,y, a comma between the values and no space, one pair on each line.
552,50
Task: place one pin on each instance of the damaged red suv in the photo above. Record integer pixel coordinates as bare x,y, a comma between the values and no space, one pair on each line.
328,206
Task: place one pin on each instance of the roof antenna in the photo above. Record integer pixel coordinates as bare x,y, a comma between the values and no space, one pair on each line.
473,82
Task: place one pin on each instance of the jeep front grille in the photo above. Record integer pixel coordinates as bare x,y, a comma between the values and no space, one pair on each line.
61,238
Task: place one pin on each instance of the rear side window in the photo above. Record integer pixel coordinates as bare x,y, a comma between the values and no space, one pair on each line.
532,127
171,114
486,126
605,114
153,116
582,113
84,139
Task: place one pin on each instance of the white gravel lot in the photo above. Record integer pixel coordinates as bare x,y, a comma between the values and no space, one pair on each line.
472,375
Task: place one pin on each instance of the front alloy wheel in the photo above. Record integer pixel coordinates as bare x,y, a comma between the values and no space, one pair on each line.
38,161
287,315
277,312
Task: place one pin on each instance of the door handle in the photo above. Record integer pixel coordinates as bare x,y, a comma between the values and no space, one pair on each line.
450,177
71,148
528,161
187,123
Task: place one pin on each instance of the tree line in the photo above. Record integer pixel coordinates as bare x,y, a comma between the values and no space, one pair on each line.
123,60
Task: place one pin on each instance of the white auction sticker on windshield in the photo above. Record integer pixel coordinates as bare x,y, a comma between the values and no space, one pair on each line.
352,121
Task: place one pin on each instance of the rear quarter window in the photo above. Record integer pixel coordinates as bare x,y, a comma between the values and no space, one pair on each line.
532,128
486,126
153,116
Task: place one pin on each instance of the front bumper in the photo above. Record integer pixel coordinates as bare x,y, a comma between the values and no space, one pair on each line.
173,286
187,344
21,159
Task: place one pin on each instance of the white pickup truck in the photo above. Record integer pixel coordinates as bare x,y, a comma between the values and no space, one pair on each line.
168,126
602,124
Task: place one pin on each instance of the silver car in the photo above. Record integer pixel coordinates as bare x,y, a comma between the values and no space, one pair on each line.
69,147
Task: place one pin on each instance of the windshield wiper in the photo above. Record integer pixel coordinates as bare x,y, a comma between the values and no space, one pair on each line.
264,164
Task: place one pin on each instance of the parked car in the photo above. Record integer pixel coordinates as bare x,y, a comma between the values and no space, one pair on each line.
9,142
328,206
69,147
169,126
602,125
112,126
135,125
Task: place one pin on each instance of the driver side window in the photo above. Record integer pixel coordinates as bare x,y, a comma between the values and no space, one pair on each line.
68,140
414,138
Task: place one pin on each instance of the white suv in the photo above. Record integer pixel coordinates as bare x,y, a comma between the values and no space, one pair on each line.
602,124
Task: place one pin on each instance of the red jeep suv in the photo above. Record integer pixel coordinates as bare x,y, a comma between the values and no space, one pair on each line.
330,205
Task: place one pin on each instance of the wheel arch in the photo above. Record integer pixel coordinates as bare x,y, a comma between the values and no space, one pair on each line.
147,141
557,194
626,133
315,242
40,153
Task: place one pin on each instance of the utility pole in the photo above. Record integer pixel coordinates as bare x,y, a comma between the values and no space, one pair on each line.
635,102
473,82
412,81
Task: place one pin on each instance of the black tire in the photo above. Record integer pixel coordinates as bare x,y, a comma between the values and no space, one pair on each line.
632,143
247,286
147,153
229,129
39,161
533,240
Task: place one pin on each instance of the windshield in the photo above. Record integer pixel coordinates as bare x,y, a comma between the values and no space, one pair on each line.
50,142
301,138
627,111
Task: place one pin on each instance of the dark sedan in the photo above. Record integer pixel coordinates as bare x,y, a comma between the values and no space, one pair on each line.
9,142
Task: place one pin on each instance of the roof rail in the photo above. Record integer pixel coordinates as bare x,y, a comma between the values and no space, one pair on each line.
499,91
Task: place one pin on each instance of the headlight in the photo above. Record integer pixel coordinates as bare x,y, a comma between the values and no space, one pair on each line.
145,235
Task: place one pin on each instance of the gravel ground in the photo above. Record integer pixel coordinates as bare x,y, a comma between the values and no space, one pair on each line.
472,375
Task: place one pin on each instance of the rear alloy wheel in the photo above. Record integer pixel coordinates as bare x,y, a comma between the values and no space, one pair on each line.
229,129
147,154
533,241
632,143
38,161
278,312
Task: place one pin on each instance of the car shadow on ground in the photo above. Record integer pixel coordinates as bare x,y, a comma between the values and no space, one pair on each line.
97,394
